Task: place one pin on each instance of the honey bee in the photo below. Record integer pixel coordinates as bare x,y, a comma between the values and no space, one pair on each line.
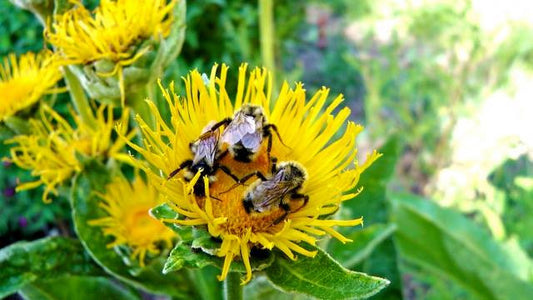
284,184
206,158
244,133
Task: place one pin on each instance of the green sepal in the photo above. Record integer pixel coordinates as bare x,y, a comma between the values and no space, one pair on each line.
25,262
42,9
85,207
77,287
322,277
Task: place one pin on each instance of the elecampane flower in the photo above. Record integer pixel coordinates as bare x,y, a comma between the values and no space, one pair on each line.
113,32
313,137
50,150
24,80
128,222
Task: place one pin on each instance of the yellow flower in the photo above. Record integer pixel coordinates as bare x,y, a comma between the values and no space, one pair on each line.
114,31
25,80
50,150
128,222
314,138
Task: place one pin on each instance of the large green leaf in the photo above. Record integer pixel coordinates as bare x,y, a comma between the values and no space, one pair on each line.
446,243
24,262
85,208
365,241
322,277
76,287
373,243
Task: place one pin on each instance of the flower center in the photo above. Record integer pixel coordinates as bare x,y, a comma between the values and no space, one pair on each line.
140,228
227,198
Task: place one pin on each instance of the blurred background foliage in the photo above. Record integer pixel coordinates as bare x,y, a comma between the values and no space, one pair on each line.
444,90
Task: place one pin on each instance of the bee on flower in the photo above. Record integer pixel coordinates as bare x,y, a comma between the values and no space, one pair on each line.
301,177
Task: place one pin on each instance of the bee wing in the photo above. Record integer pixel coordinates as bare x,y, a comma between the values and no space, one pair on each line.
252,141
272,193
237,129
207,149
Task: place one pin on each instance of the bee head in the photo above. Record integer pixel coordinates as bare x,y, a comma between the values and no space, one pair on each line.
292,171
252,110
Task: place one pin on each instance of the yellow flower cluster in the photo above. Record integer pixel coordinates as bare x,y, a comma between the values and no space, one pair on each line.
112,31
50,150
311,132
25,80
128,222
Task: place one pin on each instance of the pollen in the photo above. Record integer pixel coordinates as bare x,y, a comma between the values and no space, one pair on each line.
25,80
321,141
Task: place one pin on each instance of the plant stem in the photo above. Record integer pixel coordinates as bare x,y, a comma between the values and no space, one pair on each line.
266,28
233,287
137,102
80,101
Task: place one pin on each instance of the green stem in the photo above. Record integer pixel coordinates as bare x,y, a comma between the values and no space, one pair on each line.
139,105
233,287
266,28
80,101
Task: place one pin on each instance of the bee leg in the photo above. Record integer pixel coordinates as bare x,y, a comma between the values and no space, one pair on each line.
244,179
286,208
222,155
224,122
269,146
258,174
228,172
274,166
300,196
183,165
266,132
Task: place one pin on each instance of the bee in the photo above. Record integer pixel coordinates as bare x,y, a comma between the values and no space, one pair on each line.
206,158
244,133
283,186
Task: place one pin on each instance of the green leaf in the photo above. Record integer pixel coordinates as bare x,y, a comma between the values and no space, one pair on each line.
197,248
76,287
365,241
261,288
85,208
24,262
373,205
163,211
186,255
447,244
322,277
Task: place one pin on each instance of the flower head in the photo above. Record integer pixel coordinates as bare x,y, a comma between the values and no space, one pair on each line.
113,35
112,31
50,150
128,222
25,80
312,139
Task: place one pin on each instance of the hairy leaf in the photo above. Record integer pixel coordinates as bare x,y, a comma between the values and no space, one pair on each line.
24,262
365,241
323,278
446,243
76,287
85,208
